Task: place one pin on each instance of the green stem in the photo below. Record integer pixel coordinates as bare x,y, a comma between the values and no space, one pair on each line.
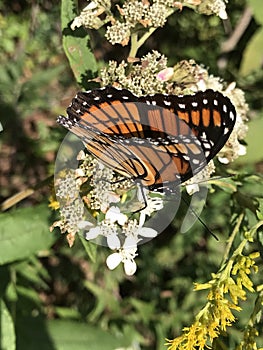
137,43
231,239
134,45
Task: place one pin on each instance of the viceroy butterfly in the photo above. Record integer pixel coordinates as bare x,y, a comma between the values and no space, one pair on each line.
158,140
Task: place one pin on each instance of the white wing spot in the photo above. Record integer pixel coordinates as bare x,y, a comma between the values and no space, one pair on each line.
167,103
207,146
225,108
78,111
231,115
109,95
97,98
226,131
196,161
205,101
215,102
125,97
84,103
154,103
181,105
194,104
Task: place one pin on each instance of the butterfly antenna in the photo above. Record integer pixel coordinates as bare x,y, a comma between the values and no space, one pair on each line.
199,219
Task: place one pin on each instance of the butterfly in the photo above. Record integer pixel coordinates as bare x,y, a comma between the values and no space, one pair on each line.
158,140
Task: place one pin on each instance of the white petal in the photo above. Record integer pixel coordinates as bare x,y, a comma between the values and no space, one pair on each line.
165,74
84,224
113,260
93,233
192,188
223,160
242,150
142,219
130,242
91,6
130,267
113,241
76,23
222,14
142,194
113,197
147,232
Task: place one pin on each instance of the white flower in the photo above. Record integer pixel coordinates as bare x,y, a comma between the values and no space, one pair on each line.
152,204
126,256
107,230
114,214
132,232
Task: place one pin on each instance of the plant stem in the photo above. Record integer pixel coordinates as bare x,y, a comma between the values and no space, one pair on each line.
18,197
231,239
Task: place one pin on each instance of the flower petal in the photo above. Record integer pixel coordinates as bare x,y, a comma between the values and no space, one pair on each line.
147,232
113,241
165,74
130,243
192,188
93,233
84,224
113,260
130,267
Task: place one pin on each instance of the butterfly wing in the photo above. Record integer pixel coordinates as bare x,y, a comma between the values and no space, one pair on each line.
159,140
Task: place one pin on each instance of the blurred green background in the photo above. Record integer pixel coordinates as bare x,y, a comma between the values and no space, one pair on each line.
53,297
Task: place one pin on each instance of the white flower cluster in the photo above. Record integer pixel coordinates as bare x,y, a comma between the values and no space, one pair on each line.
125,242
138,14
142,78
105,196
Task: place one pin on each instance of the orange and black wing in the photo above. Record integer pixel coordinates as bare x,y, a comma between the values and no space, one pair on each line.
159,140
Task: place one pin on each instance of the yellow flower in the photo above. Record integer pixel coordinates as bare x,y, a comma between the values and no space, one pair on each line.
54,204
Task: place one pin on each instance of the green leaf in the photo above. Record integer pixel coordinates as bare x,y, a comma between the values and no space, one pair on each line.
247,202
32,270
256,6
35,333
252,58
8,338
24,232
76,45
90,248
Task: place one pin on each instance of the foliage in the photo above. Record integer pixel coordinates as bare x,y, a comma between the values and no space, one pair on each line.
56,297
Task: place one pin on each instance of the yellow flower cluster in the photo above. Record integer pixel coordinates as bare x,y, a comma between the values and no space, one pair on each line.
225,291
